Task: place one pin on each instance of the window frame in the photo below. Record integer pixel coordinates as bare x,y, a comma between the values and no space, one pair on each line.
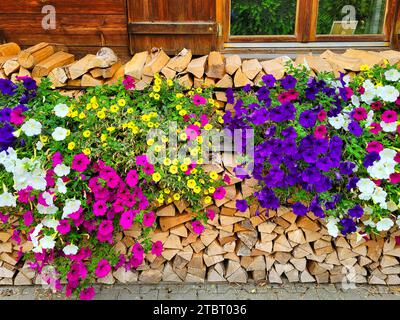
305,26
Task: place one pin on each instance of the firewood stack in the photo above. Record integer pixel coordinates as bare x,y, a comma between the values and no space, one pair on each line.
236,247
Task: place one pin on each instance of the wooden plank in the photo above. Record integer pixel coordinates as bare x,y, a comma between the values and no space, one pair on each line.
175,28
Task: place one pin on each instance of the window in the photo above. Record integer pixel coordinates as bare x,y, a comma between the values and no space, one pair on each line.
308,20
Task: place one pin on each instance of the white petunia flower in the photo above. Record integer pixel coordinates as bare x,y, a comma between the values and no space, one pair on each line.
7,200
370,119
46,209
47,242
392,75
61,110
50,223
71,206
38,182
388,155
59,134
388,93
333,229
62,170
379,196
39,145
355,101
70,249
61,187
337,122
32,128
385,224
388,127
366,186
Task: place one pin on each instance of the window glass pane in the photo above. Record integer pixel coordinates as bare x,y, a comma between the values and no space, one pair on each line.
348,17
263,17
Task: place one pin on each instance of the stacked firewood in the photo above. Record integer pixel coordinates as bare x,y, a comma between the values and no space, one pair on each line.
54,61
239,247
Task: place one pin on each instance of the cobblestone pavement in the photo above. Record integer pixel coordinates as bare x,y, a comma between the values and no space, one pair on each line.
167,291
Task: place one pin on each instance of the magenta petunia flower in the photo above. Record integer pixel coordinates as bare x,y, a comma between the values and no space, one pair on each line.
137,249
103,268
106,227
132,178
395,178
149,218
226,179
57,159
157,248
135,262
113,181
129,82
24,195
141,160
16,237
397,157
50,178
197,227
198,100
322,115
4,217
87,294
100,208
210,214
16,116
28,218
389,116
192,131
126,219
320,132
375,128
148,169
376,105
374,146
359,114
219,193
203,119
80,162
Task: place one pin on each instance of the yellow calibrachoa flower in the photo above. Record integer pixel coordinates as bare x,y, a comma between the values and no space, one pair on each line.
183,136
200,161
199,139
208,126
202,181
199,90
87,151
101,114
157,81
197,189
156,88
211,189
129,110
183,112
183,167
177,196
167,191
207,200
43,139
114,108
71,145
191,93
169,200
157,148
82,116
167,162
173,169
145,117
93,99
220,120
210,100
121,102
156,96
135,129
216,104
213,175
179,95
95,105
110,129
175,162
170,83
187,161
364,67
86,133
74,114
191,183
178,107
88,106
156,177
150,142
160,200
103,137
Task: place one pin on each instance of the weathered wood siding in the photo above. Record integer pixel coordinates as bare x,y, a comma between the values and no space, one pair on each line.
172,25
82,25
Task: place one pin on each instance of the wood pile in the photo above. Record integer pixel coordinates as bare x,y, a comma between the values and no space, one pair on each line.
236,247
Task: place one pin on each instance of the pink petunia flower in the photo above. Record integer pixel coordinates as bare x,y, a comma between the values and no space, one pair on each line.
203,119
192,131
137,250
103,268
141,160
395,178
376,105
398,102
375,128
24,195
149,218
197,227
359,114
80,162
132,178
322,115
389,116
27,218
64,227
126,219
361,90
100,208
374,146
129,82
210,214
397,157
219,193
87,294
106,228
4,217
320,132
57,159
198,100
157,248
148,169
16,116
226,179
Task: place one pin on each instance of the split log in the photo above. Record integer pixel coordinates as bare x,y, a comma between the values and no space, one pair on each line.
30,57
89,81
9,49
82,66
225,82
215,65
106,73
11,66
233,63
134,67
240,79
251,68
197,66
158,60
58,59
180,62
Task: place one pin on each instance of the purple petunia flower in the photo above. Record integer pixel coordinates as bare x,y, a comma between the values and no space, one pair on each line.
299,209
289,82
269,80
356,212
355,128
308,119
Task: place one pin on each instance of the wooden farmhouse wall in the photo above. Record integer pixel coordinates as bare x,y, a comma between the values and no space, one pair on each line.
82,25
